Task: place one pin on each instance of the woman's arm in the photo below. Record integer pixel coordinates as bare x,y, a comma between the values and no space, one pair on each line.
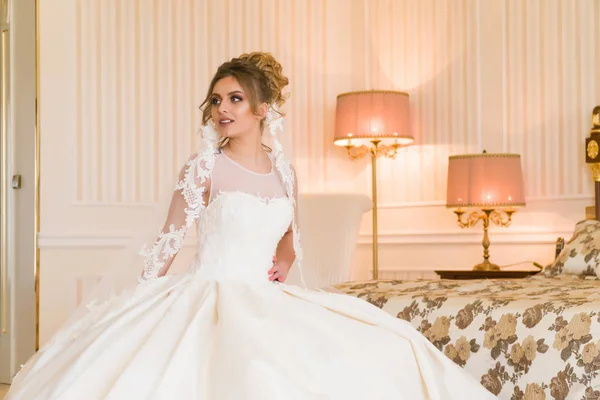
187,202
285,254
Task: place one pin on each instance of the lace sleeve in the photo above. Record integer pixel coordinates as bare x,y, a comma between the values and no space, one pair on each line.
189,199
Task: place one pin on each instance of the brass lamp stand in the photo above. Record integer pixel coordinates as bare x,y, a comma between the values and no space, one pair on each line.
502,218
376,149
376,122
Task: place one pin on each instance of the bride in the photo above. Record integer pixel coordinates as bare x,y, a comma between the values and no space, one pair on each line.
230,328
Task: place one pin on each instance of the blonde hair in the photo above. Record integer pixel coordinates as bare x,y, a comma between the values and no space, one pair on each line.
259,74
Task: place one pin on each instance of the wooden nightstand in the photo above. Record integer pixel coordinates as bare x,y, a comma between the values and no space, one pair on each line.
469,274
515,274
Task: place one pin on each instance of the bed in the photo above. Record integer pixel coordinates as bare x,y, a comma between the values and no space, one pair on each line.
531,338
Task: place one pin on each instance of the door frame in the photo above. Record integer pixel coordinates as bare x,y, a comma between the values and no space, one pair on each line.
19,272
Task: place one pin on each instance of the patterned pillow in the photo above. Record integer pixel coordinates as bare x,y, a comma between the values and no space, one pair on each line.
581,254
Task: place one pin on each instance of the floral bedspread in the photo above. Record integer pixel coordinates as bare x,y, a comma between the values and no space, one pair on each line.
525,339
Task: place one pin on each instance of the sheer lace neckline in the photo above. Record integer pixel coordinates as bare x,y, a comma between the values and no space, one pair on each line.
246,169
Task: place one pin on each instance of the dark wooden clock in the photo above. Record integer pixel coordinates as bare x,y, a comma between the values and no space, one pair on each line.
592,157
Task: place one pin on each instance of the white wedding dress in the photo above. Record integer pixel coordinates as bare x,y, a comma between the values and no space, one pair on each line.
223,331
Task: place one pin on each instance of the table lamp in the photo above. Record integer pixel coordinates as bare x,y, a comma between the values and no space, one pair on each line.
491,183
375,122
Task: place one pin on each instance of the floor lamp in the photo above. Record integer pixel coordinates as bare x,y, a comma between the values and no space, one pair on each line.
375,122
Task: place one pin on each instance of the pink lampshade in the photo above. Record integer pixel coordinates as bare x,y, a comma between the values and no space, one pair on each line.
485,180
375,114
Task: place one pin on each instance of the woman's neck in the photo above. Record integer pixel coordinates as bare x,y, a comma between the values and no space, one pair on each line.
248,150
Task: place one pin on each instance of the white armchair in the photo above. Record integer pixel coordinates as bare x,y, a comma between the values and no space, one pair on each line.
329,224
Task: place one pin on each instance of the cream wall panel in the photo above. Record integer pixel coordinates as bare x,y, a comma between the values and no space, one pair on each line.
72,265
496,75
529,88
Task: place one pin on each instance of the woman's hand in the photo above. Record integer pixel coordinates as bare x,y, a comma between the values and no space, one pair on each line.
278,272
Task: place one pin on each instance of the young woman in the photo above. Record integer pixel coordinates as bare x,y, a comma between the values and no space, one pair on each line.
230,328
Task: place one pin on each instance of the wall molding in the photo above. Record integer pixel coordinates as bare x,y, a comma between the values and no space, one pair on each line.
382,206
413,237
99,240
109,204
442,203
81,240
472,236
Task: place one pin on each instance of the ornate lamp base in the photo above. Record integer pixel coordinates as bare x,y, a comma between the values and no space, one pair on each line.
486,266
502,218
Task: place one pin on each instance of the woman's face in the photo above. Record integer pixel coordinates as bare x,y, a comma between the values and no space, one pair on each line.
231,110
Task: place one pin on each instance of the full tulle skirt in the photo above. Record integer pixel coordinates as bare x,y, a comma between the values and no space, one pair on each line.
187,337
